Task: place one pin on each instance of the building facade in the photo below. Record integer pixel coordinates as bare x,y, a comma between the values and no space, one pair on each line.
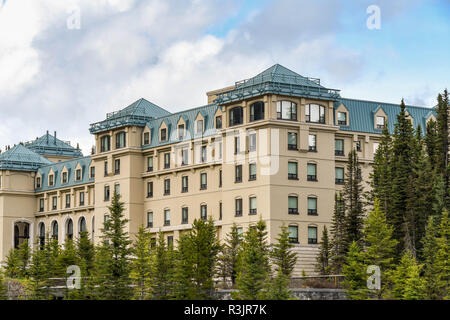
273,147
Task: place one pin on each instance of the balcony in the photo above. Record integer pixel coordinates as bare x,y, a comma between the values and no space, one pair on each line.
238,213
312,212
312,240
292,176
293,211
252,211
292,147
311,177
184,189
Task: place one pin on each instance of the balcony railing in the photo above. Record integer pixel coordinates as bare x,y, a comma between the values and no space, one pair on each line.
311,177
339,152
293,211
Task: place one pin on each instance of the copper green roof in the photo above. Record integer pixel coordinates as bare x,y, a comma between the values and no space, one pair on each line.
21,159
278,80
138,113
49,145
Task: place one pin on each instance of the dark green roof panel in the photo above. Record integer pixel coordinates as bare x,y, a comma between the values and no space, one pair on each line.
51,146
21,159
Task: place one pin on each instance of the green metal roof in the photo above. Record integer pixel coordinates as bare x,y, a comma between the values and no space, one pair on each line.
278,80
50,145
361,115
138,113
57,168
21,159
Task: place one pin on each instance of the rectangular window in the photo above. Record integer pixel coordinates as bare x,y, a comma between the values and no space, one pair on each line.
38,182
203,154
120,140
166,187
167,217
203,181
312,235
184,215
78,175
293,205
312,206
203,212
342,118
149,189
312,143
220,210
105,220
252,205
184,157
199,126
146,138
67,200
180,131
311,172
105,143
81,198
106,193
149,219
238,207
315,113
117,166
252,142
292,170
220,178
237,145
252,171
219,122
293,234
238,173
339,147
92,172
117,189
106,169
166,160
51,180
375,147
64,177
149,164
169,241
41,205
380,122
339,175
236,116
358,146
163,134
292,141
54,203
220,150
286,110
184,184
257,111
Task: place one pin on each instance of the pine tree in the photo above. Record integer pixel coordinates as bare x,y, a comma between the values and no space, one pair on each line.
431,274
117,283
431,144
24,256
354,271
442,257
407,283
353,192
12,264
40,274
53,251
442,134
183,286
3,288
228,258
338,248
66,258
163,269
253,273
142,264
282,255
278,288
323,259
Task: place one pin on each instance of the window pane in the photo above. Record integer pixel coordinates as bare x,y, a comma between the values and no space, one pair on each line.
339,173
292,167
380,120
312,203
339,144
293,202
312,140
312,232
314,116
292,138
311,169
253,168
293,232
253,203
286,110
342,116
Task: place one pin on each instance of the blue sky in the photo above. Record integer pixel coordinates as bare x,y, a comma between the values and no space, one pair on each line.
172,52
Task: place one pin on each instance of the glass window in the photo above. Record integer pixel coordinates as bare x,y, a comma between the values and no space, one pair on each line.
237,145
375,147
117,189
257,111
312,172
78,174
236,116
203,212
203,154
358,146
81,198
120,140
312,235
38,182
166,160
67,200
380,122
238,173
117,166
315,113
64,177
293,234
184,184
180,131
167,217
203,181
50,180
292,170
339,147
55,230
252,142
106,168
238,207
286,110
342,118
82,225
92,172
252,205
293,204
220,210
163,136
312,206
199,126
149,219
220,178
69,232
41,205
312,142
184,215
146,138
166,187
252,171
149,189
105,143
106,190
292,141
219,122
170,241
339,175
150,164
54,203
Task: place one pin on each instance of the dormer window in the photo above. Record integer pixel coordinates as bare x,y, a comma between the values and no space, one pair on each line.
342,118
315,113
257,111
380,122
51,180
105,143
120,140
78,174
236,116
163,134
199,126
180,131
38,182
64,177
146,138
286,110
219,122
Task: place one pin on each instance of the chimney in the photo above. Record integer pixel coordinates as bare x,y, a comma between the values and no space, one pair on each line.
47,136
55,138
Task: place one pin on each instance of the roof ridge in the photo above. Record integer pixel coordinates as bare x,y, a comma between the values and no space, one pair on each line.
184,111
68,160
390,103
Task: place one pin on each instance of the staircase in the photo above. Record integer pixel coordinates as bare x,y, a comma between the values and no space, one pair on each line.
306,260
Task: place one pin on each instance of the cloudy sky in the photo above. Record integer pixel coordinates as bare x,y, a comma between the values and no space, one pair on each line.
56,76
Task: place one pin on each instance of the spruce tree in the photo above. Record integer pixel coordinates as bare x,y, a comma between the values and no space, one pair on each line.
431,144
40,274
278,288
66,258
431,273
443,134
353,192
24,256
442,257
163,269
228,258
117,283
3,288
12,264
141,265
183,286
338,248
282,256
354,270
323,259
407,283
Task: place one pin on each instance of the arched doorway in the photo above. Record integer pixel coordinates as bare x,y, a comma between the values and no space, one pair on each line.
82,225
69,229
55,230
21,233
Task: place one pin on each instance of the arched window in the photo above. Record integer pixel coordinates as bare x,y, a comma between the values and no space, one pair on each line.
315,113
55,230
236,116
16,236
69,229
257,111
41,235
105,143
82,225
21,233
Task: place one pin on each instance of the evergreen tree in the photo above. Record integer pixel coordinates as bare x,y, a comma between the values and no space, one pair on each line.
24,256
431,144
162,270
431,274
253,273
12,264
228,259
278,288
354,271
338,248
282,255
353,192
66,258
407,283
442,135
116,283
53,251
40,274
442,257
183,286
323,259
142,264
3,288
